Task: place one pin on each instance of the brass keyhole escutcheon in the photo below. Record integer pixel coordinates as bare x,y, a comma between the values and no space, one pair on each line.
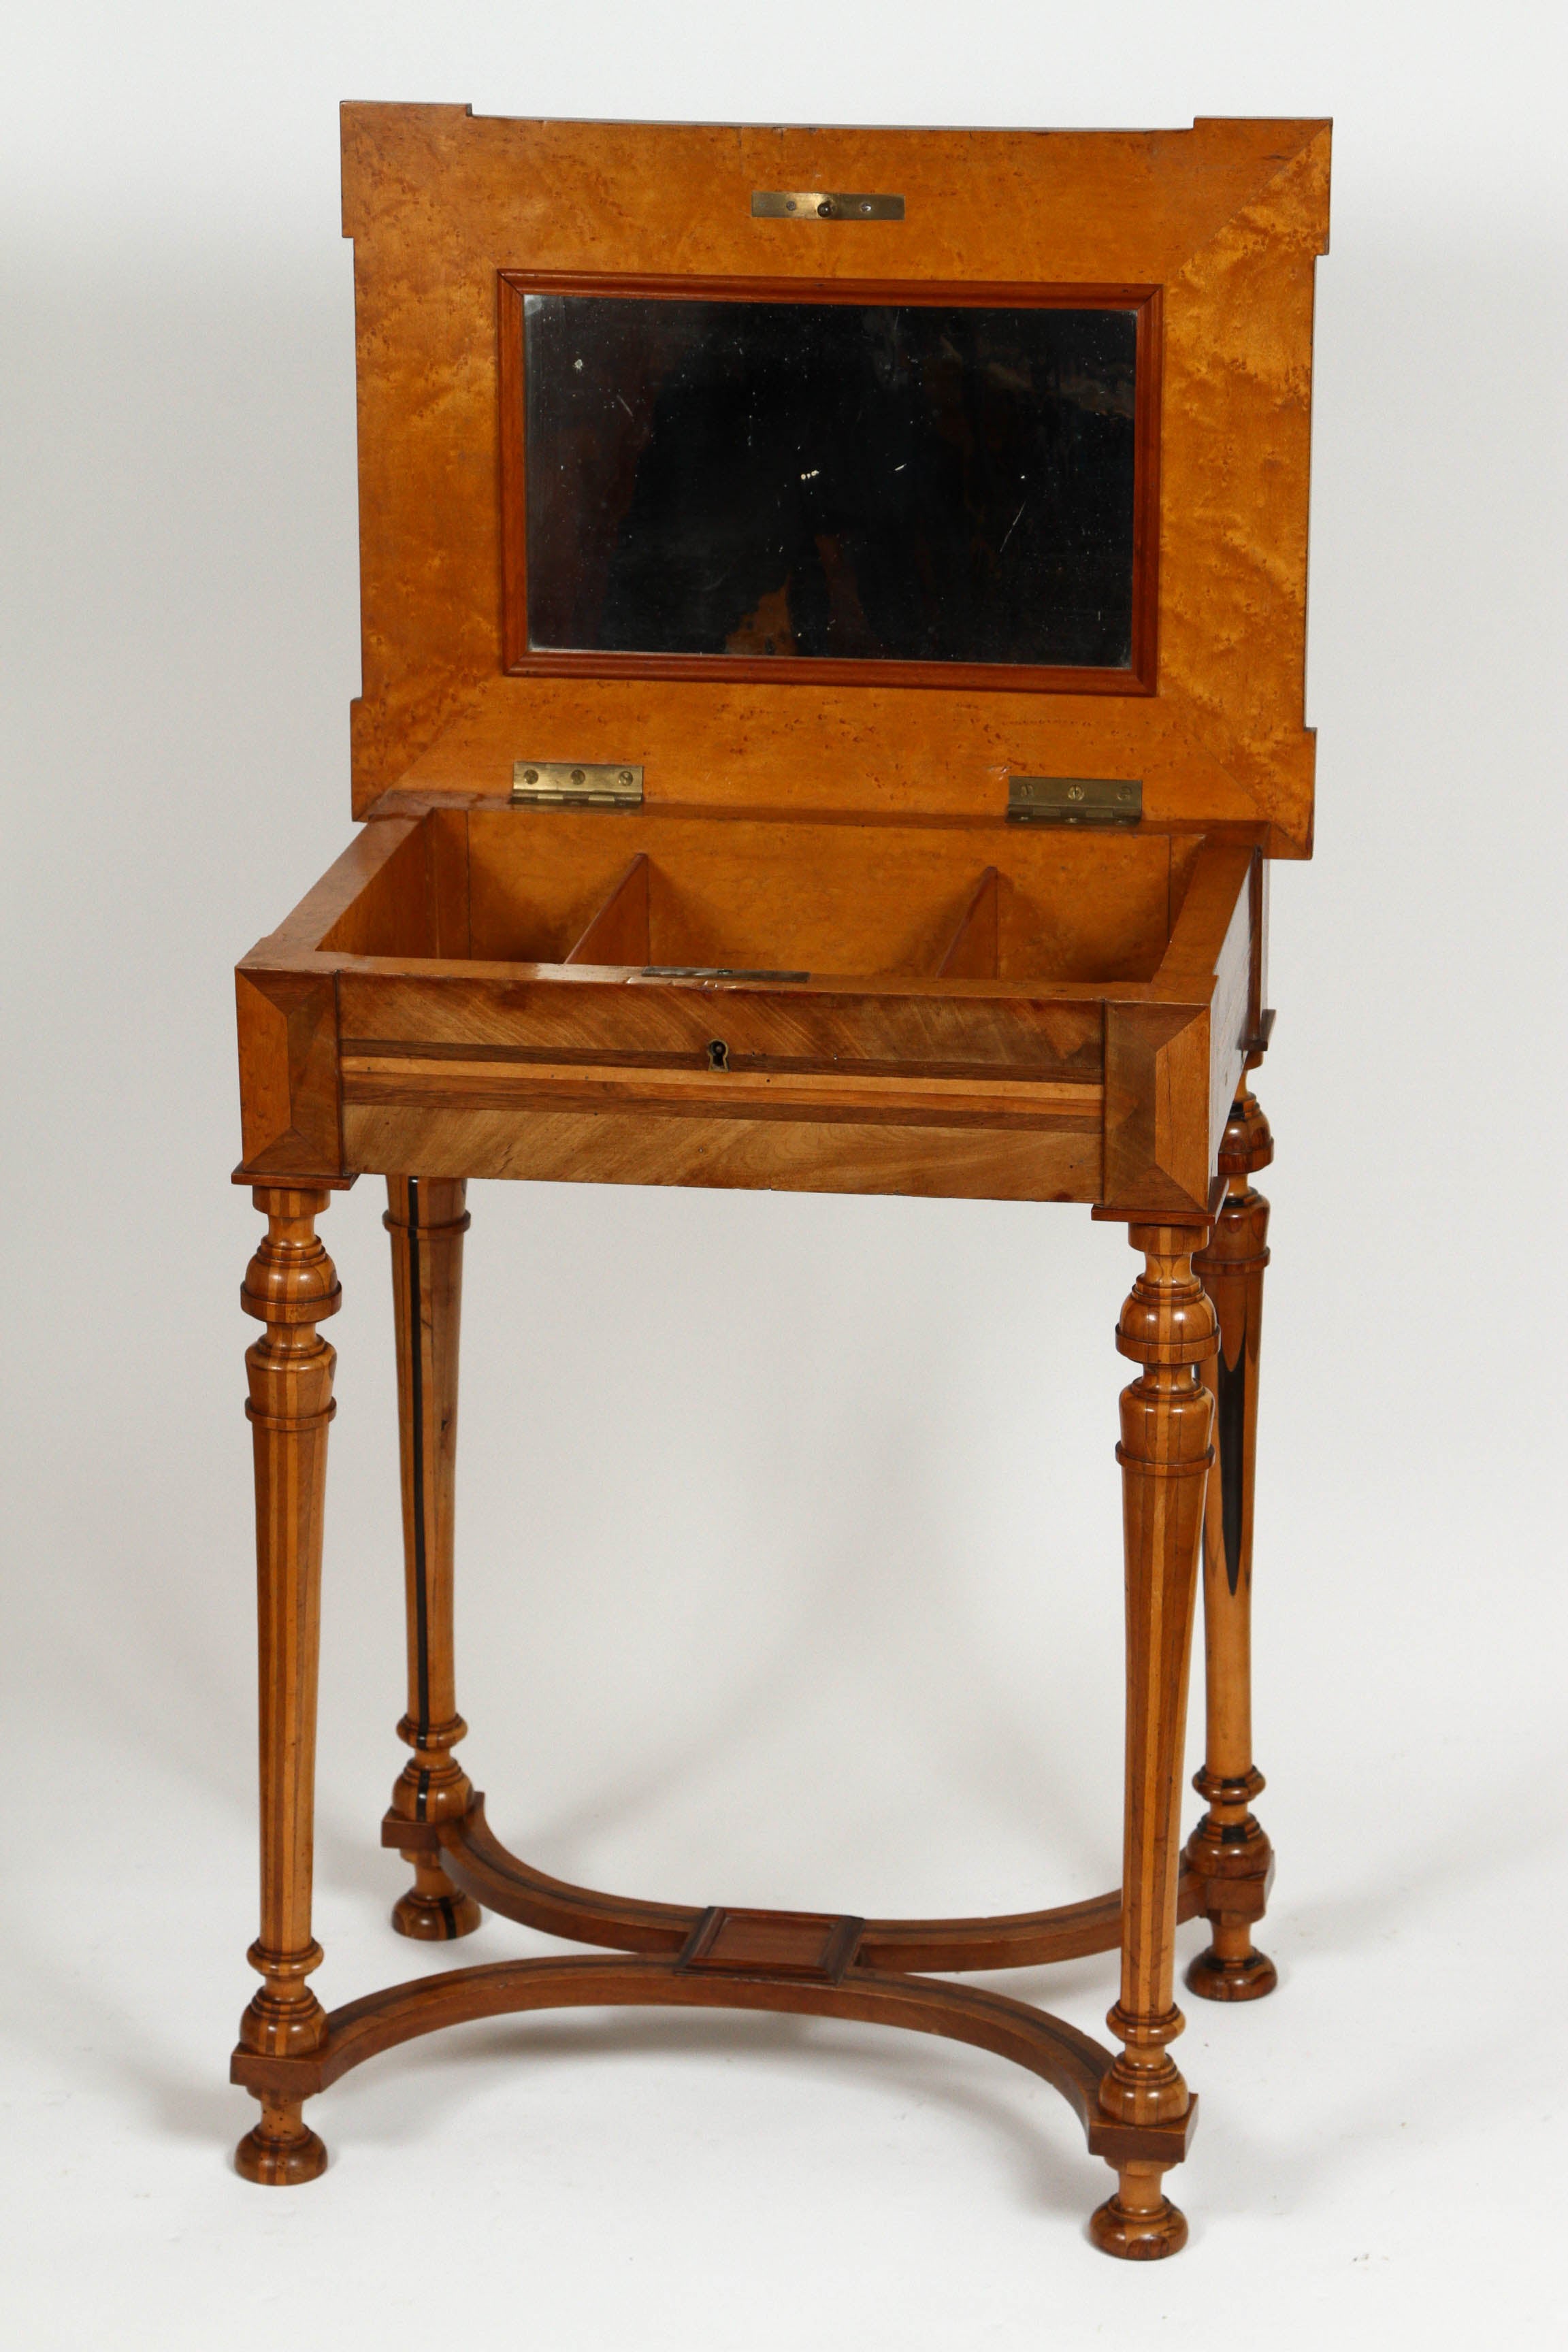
718,1055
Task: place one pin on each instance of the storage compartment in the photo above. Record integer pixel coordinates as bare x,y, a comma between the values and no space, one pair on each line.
676,995
716,891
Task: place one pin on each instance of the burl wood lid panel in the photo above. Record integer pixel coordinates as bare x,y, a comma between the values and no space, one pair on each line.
1226,219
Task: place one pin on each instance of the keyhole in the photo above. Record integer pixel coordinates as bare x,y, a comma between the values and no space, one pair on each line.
718,1055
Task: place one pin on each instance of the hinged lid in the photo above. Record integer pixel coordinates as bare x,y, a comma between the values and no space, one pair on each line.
997,473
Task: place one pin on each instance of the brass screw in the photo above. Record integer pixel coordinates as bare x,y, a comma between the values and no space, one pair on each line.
530,775
824,209
576,775
626,775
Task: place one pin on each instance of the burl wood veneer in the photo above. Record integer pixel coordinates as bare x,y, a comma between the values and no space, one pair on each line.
818,955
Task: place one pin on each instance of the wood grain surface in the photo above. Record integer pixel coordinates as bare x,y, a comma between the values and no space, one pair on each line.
778,892
960,1062
1226,219
1167,1327
292,1289
817,958
1047,2046
502,1883
426,1221
1229,1852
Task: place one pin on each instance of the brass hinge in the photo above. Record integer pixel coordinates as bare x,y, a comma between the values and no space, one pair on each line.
1074,800
822,203
588,784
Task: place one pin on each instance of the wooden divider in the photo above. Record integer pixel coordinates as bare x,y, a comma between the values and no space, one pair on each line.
617,933
972,950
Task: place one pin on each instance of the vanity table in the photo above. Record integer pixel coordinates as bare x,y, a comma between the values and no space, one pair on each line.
833,627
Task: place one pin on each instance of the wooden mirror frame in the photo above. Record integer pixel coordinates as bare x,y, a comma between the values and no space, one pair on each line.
522,660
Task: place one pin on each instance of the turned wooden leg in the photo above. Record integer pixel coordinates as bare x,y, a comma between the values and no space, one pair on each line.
1168,1327
427,1220
290,1287
1228,1849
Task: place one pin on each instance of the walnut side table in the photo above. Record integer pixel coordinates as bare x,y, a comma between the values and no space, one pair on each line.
879,845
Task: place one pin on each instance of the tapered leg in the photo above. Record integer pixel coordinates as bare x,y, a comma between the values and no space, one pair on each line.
1168,1327
1228,1849
427,1220
290,1287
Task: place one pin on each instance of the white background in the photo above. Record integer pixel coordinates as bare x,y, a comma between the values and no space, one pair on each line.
789,1532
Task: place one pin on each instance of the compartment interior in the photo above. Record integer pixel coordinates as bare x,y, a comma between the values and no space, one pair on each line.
711,890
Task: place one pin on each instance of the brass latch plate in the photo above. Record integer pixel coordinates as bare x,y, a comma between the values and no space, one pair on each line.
711,971
822,203
581,784
1074,800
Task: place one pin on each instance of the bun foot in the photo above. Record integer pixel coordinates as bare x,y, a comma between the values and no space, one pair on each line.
281,2152
1139,2224
1247,1977
436,1918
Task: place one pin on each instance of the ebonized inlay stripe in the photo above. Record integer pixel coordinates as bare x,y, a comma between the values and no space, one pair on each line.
416,1414
1230,1414
1082,1068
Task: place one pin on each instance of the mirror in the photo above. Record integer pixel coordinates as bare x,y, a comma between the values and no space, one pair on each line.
829,480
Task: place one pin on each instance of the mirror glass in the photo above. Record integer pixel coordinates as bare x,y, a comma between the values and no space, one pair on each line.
902,482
